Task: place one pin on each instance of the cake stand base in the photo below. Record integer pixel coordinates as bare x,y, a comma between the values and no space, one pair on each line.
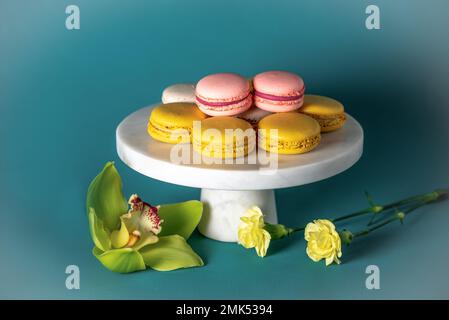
223,209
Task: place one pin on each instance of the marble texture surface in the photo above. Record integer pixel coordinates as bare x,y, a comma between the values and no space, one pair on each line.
223,209
337,152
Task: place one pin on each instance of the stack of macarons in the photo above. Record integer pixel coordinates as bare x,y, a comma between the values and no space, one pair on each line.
270,100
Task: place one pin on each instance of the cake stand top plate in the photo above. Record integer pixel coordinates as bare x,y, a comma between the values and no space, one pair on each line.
337,152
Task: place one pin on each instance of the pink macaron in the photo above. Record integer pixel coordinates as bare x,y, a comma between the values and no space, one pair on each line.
278,91
223,94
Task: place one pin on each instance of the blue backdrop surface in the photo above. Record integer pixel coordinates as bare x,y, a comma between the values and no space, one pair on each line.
62,94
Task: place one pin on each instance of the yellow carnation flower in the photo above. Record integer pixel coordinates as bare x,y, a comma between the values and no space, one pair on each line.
323,241
251,232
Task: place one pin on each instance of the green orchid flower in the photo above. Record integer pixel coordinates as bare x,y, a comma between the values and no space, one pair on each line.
139,227
132,236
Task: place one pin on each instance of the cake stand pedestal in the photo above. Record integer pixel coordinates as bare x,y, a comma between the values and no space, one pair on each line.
228,190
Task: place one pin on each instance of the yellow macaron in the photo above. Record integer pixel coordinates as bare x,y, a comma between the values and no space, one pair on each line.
288,133
329,113
224,137
173,122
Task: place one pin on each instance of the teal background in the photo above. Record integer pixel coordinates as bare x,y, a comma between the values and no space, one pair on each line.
62,94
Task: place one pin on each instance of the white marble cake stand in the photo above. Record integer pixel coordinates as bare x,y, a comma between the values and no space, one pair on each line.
228,190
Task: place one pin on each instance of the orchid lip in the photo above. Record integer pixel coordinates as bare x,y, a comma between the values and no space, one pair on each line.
221,104
278,98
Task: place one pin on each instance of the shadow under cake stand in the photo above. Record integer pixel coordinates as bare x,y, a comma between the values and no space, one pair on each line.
228,190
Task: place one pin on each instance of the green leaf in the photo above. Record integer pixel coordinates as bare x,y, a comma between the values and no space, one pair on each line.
180,218
100,235
170,253
123,260
106,197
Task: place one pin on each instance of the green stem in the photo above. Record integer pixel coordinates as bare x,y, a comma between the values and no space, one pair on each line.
353,215
385,207
293,230
368,230
422,199
397,217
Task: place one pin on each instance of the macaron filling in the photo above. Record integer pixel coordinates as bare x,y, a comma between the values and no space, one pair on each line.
167,129
225,151
279,98
221,103
285,145
329,122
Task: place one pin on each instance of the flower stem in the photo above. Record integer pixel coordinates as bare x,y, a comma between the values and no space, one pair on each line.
386,207
353,215
419,200
398,217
